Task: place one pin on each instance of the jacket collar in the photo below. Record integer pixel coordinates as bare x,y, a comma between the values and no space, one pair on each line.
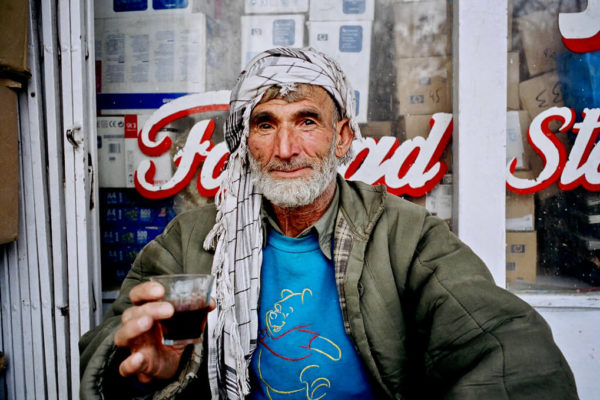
361,204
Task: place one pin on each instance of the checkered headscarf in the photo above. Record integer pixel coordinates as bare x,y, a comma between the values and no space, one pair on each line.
237,235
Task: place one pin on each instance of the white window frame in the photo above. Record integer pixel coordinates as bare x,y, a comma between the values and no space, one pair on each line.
479,36
480,32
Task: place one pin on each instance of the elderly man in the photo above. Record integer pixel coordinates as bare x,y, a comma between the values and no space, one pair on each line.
324,288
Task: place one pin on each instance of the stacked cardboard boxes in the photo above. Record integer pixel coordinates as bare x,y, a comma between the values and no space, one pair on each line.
13,67
13,38
119,154
262,32
271,23
128,222
422,36
540,44
342,29
147,53
533,86
578,223
9,162
422,41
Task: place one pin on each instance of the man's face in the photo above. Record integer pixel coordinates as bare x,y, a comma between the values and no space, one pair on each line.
293,147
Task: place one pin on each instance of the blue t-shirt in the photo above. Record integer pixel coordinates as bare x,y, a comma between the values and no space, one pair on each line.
303,351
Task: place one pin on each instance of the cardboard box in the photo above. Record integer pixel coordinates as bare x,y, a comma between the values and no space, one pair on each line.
520,212
134,216
132,103
222,52
111,151
134,156
418,125
417,200
13,36
541,41
349,43
537,164
539,94
377,129
342,10
119,154
424,85
422,29
116,254
132,235
521,256
9,163
275,6
151,54
517,125
263,32
512,93
439,200
123,197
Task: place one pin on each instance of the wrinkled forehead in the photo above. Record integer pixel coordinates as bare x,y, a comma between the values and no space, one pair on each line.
299,92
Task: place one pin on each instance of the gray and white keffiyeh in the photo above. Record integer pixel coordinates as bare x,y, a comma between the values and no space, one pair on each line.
237,236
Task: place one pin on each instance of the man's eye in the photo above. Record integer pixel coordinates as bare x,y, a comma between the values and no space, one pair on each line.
264,125
309,122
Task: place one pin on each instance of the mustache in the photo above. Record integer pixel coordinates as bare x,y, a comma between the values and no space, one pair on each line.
287,165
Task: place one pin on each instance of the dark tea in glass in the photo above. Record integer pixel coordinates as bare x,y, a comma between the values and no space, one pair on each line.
190,296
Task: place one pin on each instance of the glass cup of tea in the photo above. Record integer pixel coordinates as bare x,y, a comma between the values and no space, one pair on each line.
190,296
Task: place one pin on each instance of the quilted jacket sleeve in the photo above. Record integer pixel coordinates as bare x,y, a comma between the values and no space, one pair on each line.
480,341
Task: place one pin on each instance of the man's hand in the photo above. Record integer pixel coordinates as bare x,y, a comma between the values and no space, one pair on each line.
149,358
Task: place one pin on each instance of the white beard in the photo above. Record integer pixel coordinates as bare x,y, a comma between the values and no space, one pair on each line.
294,192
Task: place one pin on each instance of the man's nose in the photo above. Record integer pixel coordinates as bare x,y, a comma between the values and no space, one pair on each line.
287,143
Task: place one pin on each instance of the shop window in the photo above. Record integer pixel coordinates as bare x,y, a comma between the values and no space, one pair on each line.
397,56
553,224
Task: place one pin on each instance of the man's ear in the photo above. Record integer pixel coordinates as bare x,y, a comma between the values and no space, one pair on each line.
344,138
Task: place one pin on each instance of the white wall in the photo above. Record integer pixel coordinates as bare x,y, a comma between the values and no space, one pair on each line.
576,331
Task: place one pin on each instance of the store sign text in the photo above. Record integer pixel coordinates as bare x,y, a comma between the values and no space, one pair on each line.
412,167
581,167
581,31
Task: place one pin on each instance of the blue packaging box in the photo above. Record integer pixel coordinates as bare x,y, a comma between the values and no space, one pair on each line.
130,197
131,235
579,76
120,254
130,5
135,216
169,4
113,275
134,101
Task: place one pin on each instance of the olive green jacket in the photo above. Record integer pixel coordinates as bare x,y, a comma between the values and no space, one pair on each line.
420,306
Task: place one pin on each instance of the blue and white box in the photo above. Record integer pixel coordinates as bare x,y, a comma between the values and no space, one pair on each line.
111,151
145,8
131,235
135,216
342,10
150,54
349,43
275,6
263,32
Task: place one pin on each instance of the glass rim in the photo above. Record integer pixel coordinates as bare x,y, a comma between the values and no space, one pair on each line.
157,278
